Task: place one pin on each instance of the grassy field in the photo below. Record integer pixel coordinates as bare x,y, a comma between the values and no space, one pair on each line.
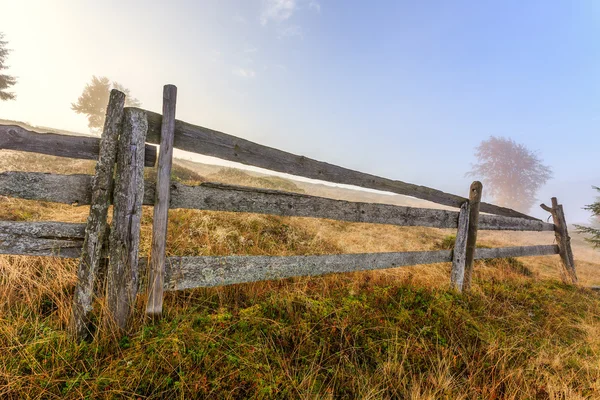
389,334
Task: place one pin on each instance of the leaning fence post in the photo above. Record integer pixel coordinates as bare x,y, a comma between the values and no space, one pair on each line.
161,204
474,201
459,254
562,238
122,275
95,231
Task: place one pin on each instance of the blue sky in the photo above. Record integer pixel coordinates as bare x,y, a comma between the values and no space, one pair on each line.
401,89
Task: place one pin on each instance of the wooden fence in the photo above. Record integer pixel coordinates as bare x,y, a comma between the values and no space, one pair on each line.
126,147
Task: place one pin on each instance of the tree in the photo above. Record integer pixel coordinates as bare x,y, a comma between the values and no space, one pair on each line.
511,173
6,81
94,99
594,229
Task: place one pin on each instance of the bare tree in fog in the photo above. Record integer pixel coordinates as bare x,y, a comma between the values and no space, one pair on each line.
594,229
6,81
511,173
94,99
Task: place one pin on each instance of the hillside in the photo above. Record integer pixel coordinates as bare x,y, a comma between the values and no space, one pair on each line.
41,129
397,333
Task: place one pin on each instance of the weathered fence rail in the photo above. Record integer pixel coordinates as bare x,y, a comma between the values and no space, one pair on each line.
45,238
76,189
122,143
53,238
213,143
13,137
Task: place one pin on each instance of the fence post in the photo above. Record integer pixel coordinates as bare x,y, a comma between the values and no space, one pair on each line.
459,253
122,275
474,201
562,238
96,229
154,304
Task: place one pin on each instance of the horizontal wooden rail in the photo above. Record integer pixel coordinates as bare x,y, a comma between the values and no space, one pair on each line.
206,141
58,239
518,251
208,271
62,239
76,189
13,137
192,272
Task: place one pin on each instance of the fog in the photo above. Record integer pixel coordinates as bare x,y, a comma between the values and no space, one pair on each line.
400,90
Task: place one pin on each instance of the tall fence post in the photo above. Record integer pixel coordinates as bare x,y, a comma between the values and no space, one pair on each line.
459,254
474,201
161,204
123,275
562,238
96,229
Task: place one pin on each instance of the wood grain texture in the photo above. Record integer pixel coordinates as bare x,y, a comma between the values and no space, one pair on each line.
208,271
524,251
96,229
190,272
563,239
475,192
13,137
488,222
220,197
206,141
459,253
67,189
154,303
56,239
123,274
40,234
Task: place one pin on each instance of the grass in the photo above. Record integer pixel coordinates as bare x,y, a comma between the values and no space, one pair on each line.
389,334
238,177
362,335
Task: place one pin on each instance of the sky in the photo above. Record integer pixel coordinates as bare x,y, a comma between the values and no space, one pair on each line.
401,89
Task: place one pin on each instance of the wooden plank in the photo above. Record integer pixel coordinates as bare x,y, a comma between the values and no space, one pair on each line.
13,137
213,143
154,303
56,239
67,189
563,239
474,205
565,243
62,239
524,251
219,197
123,275
459,253
96,229
208,271
489,222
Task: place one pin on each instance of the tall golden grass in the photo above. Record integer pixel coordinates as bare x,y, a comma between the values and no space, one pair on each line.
398,333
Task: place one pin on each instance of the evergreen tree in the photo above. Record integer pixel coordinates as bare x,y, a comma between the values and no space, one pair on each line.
6,81
594,229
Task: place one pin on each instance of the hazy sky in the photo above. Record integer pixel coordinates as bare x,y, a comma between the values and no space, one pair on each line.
402,89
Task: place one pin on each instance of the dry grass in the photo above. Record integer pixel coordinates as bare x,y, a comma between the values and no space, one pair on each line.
397,333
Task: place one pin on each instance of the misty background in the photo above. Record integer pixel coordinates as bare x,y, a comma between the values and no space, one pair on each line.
402,90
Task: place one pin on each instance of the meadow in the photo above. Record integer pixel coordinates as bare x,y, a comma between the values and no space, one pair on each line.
398,333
